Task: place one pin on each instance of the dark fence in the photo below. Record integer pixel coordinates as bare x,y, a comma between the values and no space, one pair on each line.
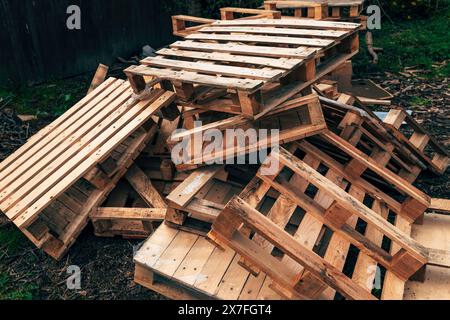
36,45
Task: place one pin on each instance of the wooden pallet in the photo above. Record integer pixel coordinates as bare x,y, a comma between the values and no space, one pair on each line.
49,186
249,67
362,128
185,266
199,199
411,203
418,140
319,9
313,273
293,120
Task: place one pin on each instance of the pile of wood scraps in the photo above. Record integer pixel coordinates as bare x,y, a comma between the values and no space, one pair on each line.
321,203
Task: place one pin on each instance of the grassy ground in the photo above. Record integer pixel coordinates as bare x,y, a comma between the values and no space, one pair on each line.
419,44
422,44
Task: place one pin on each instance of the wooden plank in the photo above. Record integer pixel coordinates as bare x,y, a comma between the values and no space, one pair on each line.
78,166
144,187
194,78
215,69
281,63
241,49
191,267
291,23
155,246
139,214
263,39
99,77
187,190
275,31
440,205
175,253
212,272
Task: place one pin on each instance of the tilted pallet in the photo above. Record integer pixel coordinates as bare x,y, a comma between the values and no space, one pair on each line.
418,140
185,266
319,9
296,119
249,67
294,181
49,186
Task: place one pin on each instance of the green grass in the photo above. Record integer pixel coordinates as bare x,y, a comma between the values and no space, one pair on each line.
10,291
422,44
12,242
46,99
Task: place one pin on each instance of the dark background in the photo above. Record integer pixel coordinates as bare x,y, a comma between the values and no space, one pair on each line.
36,46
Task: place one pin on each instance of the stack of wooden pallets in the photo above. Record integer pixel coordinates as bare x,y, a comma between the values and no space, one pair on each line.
338,217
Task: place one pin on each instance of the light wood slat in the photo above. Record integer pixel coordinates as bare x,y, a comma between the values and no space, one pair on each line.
191,77
54,155
191,267
440,205
43,135
79,165
144,187
155,246
282,63
213,271
262,39
302,53
293,23
277,31
59,133
248,73
174,255
140,214
233,281
187,190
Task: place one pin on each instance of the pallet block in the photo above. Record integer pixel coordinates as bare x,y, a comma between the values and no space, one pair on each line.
49,186
293,120
209,69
